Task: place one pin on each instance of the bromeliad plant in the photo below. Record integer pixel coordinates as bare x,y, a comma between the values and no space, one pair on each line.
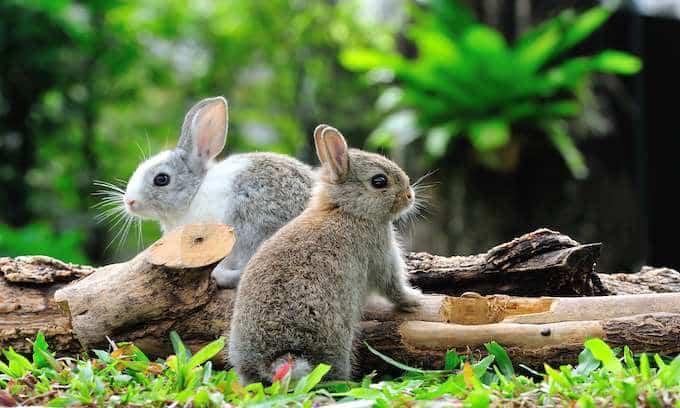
466,80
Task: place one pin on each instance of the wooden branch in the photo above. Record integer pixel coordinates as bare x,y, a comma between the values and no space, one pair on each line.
477,309
27,286
541,263
168,287
424,344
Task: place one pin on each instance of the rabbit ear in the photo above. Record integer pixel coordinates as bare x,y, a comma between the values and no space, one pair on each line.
317,142
333,149
204,131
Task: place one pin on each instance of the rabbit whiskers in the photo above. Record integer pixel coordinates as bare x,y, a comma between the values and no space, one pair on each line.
421,208
111,210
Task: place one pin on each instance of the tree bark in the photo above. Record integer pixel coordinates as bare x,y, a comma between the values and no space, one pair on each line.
168,287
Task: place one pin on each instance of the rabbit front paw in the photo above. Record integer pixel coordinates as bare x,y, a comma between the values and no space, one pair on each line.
410,301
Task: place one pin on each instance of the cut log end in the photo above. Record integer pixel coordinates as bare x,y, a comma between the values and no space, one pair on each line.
192,246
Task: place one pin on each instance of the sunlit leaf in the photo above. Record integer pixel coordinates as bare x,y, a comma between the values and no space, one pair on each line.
489,135
584,24
502,359
617,62
306,383
206,352
605,354
451,360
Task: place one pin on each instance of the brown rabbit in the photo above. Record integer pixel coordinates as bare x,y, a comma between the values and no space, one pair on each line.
301,296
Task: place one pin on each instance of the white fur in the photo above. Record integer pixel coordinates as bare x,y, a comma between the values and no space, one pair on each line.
137,184
211,202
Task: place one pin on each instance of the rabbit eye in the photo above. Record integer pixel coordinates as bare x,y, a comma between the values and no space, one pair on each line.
161,179
379,181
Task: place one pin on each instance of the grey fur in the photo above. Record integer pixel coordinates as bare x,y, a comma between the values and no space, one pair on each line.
256,193
303,292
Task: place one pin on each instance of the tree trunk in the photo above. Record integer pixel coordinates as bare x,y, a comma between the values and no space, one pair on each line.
168,287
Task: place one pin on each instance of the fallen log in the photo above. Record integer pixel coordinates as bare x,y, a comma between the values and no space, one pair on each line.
144,299
424,344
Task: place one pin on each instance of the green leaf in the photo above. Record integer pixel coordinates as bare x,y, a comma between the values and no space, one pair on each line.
18,364
478,398
179,347
560,108
534,53
310,381
586,401
659,361
489,135
565,146
484,40
502,359
630,361
584,25
41,355
397,364
483,365
587,363
645,371
451,360
104,356
364,59
604,353
206,353
557,376
617,62
364,393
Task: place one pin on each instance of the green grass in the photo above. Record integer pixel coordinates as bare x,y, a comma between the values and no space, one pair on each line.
124,376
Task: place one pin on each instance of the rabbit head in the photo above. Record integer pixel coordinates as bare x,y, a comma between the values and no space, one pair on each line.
163,186
363,184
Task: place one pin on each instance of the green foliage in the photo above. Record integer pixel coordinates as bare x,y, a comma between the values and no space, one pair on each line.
102,82
126,377
40,239
469,82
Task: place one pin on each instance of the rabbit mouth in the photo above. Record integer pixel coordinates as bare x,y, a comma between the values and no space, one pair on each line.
403,205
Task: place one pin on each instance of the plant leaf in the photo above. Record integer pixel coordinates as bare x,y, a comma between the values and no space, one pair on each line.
206,353
501,358
397,364
583,25
565,145
604,353
451,360
617,62
310,381
489,135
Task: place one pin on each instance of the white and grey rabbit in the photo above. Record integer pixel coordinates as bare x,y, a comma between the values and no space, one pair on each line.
302,294
256,193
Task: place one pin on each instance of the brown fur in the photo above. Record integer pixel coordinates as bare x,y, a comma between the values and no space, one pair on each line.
303,292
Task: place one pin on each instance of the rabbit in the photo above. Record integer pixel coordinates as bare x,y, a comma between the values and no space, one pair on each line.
301,296
255,193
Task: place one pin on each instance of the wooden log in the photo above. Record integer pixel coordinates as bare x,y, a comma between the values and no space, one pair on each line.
27,286
472,309
424,344
167,287
541,263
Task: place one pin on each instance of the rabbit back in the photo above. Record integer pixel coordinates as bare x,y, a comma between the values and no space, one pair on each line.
256,194
301,294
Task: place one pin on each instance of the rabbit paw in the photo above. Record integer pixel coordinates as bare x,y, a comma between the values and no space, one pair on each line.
226,278
410,302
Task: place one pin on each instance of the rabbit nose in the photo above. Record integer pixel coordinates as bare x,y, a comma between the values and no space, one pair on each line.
409,195
130,202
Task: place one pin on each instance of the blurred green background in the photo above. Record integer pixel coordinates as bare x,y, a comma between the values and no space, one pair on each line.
525,111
